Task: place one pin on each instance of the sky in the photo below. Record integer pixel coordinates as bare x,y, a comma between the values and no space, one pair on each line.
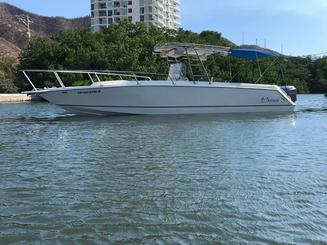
296,27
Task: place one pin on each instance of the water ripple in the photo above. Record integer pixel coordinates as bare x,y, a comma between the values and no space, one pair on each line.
219,179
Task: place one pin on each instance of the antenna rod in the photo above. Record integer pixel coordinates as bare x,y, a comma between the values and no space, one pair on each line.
25,19
28,28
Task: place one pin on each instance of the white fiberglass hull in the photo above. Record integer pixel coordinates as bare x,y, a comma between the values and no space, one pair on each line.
163,98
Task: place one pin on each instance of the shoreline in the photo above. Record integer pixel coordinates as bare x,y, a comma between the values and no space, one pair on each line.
14,98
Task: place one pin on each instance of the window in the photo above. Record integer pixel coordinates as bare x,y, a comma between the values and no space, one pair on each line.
102,21
102,13
102,5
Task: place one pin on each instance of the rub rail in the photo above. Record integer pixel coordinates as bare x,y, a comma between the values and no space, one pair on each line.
91,74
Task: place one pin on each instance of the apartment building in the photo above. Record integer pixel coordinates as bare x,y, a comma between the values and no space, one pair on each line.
161,13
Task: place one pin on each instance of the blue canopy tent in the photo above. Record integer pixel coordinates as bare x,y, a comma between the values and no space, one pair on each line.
252,54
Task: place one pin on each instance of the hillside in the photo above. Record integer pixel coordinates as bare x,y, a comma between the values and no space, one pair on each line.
13,35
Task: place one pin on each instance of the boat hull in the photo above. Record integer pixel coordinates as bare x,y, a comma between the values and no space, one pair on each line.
113,111
170,99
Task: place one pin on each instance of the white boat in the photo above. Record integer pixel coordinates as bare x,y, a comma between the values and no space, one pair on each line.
140,95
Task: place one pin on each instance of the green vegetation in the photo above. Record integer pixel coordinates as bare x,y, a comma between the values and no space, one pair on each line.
318,76
128,47
7,75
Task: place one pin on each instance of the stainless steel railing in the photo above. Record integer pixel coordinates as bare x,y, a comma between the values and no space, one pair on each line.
93,75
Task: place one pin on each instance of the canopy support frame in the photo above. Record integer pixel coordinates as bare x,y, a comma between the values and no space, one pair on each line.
265,71
206,74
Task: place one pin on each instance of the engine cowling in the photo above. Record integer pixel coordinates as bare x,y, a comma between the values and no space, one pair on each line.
291,91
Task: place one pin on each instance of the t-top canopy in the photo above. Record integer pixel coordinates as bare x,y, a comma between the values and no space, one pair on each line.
202,52
182,50
252,54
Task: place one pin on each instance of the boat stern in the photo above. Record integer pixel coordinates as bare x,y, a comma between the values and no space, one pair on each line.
291,92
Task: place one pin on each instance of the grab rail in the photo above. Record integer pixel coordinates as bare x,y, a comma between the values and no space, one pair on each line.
56,73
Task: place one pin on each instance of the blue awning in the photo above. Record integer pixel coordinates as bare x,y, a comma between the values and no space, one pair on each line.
252,54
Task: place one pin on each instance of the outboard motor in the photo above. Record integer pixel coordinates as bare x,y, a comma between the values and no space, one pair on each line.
291,92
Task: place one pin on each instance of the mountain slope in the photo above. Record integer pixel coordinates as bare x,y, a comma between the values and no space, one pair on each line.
13,33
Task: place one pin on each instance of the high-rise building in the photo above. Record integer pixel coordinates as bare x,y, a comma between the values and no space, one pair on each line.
161,13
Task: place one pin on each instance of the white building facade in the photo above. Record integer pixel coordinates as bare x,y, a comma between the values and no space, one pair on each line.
160,13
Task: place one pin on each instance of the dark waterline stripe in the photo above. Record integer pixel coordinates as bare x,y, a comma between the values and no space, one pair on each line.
167,107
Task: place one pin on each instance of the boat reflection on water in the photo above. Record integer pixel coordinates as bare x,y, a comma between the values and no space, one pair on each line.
179,121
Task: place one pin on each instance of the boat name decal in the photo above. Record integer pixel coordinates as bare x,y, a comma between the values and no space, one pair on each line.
269,100
89,92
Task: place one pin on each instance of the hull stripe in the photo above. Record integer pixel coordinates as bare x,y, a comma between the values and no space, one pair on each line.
164,107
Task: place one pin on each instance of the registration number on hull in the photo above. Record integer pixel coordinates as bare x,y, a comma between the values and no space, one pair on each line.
89,92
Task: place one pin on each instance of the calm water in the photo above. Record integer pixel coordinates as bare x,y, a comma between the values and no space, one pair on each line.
255,179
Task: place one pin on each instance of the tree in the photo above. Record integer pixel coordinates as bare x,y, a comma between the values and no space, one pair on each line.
318,79
129,47
7,75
